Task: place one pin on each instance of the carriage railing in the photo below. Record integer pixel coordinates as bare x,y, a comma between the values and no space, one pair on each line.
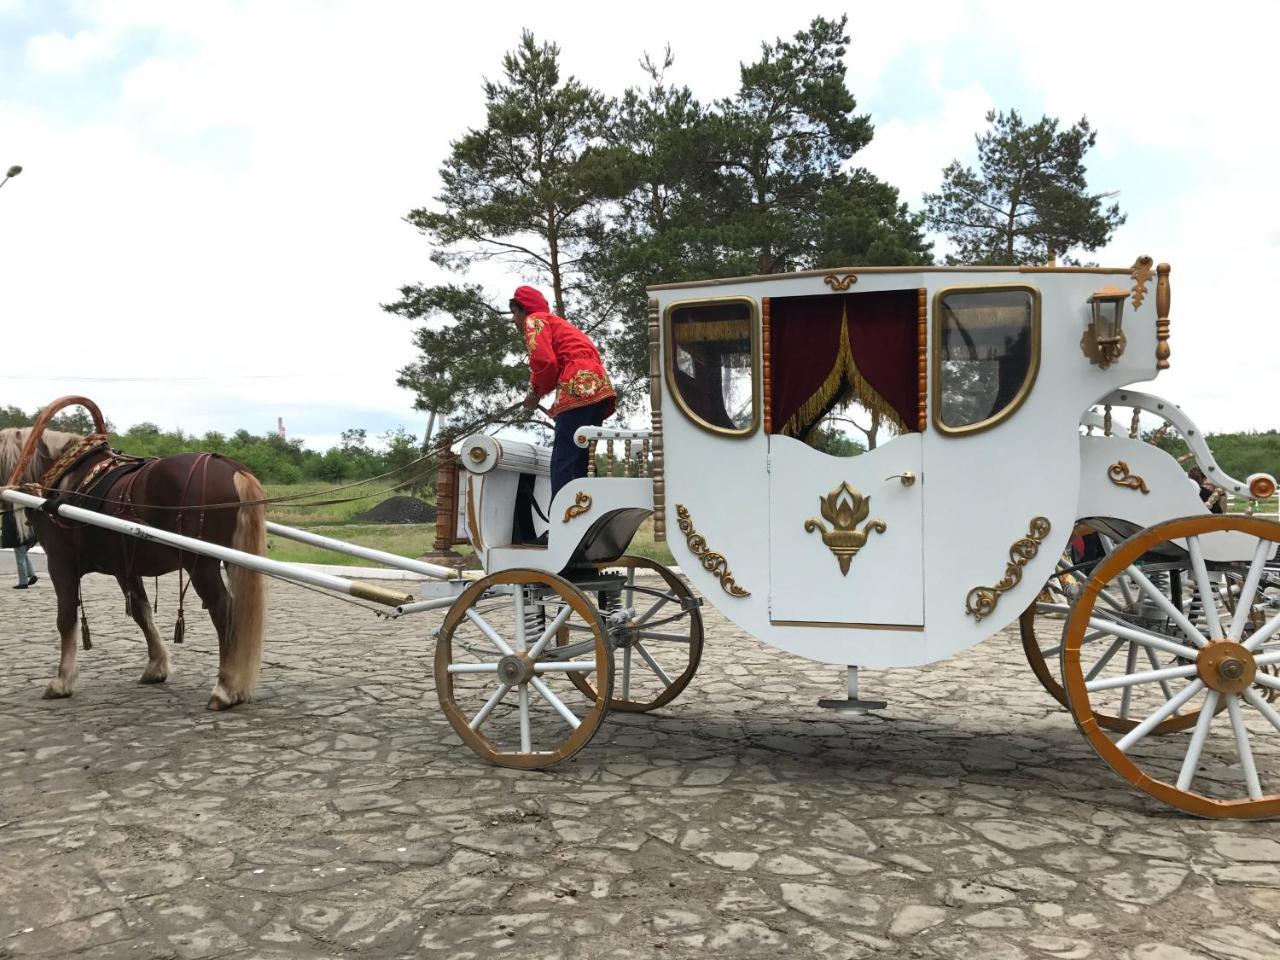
627,453
1255,487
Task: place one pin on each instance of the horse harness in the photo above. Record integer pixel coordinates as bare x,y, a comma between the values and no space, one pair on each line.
98,481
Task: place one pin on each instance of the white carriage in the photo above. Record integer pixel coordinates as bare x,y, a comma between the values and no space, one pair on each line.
1015,426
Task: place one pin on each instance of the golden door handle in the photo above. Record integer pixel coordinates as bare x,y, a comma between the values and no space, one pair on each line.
906,478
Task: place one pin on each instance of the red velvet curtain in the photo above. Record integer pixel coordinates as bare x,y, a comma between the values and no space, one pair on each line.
806,356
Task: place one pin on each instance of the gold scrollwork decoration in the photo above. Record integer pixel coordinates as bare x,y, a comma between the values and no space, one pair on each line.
981,601
1141,274
1118,473
837,282
581,504
844,508
712,562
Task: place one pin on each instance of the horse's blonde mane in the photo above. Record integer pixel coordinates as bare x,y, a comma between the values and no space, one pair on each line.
51,446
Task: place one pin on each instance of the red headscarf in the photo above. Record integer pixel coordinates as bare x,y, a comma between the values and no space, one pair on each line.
531,300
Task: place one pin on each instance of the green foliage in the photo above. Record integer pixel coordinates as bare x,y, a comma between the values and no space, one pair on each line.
598,198
1028,201
72,420
834,442
1239,454
272,459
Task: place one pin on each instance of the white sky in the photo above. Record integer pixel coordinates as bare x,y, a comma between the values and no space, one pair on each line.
214,190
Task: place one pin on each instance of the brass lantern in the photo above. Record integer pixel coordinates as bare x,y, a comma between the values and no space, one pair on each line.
1103,341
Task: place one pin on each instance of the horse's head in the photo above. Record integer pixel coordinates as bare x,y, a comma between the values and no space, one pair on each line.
51,445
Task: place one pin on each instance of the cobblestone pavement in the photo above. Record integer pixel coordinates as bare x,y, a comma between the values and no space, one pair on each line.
338,815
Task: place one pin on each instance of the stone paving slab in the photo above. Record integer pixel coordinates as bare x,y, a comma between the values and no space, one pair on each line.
338,815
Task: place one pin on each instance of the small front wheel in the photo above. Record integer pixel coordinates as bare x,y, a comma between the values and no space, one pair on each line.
508,689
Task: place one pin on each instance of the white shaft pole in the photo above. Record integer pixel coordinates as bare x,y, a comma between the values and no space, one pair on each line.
354,588
432,570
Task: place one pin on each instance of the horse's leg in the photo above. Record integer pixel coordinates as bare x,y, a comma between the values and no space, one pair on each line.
66,582
157,653
206,577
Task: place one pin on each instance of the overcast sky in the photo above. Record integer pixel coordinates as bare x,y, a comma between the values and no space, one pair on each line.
215,190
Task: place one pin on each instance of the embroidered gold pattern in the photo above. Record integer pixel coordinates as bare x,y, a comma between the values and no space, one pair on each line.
584,383
844,508
533,325
981,601
712,562
581,504
1118,473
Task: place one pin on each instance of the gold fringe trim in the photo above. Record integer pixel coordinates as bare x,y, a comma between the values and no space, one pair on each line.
844,381
713,330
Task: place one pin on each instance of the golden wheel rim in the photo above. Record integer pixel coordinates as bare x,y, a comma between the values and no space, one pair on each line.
1224,766
483,648
646,677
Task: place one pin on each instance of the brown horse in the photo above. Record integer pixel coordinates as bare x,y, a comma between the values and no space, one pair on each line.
198,495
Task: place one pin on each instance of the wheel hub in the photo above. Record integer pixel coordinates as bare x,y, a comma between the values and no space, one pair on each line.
515,669
1226,666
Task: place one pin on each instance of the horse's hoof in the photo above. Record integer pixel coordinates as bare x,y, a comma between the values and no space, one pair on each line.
155,674
58,689
221,700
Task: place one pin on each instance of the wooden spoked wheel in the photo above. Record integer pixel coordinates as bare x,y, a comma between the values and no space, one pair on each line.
503,680
660,647
1226,665
1123,600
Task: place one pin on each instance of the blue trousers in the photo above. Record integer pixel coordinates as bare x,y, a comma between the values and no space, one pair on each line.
568,460
25,570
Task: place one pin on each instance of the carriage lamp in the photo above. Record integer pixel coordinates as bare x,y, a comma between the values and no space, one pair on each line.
1103,340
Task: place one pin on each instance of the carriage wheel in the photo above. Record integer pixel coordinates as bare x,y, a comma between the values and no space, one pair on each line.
1227,665
660,648
1123,600
510,691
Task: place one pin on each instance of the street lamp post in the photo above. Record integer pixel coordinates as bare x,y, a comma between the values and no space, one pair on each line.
10,174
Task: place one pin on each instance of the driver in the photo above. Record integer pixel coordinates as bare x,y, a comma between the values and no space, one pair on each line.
562,358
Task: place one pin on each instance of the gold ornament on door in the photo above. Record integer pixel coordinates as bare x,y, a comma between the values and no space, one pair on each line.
844,508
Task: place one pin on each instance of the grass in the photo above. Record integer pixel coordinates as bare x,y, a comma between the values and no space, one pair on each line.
297,515
403,539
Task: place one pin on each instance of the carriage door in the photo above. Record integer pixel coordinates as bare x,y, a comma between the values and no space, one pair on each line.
845,508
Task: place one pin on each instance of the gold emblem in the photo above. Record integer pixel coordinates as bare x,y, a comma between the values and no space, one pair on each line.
837,282
1118,473
581,504
712,562
981,601
844,508
1141,274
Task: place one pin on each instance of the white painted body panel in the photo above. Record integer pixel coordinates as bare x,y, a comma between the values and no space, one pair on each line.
978,492
884,583
1172,494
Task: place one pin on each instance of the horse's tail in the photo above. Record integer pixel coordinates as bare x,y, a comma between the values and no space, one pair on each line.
248,588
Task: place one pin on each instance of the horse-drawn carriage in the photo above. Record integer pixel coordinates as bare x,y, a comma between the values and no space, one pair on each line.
1014,428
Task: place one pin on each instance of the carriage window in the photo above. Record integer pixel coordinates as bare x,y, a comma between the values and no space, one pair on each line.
711,365
986,354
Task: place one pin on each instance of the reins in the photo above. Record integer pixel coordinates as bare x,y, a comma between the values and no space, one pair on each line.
482,423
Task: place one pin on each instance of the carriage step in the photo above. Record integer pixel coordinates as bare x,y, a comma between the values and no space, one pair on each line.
853,703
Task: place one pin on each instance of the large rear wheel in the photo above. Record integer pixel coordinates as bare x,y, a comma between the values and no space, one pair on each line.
1224,660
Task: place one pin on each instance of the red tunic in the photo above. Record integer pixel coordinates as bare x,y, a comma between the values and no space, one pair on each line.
563,358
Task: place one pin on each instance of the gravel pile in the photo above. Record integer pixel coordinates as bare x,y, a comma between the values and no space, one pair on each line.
400,510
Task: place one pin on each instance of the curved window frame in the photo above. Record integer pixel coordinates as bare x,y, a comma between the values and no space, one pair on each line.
669,364
1028,380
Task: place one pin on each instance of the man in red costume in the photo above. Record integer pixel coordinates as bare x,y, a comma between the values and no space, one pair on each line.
562,358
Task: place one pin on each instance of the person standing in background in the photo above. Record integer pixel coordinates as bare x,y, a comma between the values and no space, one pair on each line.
16,533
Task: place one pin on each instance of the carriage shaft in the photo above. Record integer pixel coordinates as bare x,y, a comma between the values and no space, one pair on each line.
251,561
433,570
